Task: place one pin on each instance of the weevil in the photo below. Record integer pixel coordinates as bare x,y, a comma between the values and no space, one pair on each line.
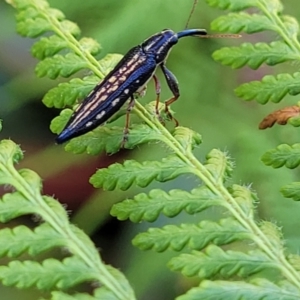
130,76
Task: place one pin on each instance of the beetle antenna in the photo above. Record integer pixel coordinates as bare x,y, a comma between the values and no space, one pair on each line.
191,13
220,36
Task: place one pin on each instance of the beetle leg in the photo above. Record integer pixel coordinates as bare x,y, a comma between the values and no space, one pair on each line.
141,93
157,91
126,128
173,85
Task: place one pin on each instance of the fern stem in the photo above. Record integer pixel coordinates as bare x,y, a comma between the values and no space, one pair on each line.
218,188
75,244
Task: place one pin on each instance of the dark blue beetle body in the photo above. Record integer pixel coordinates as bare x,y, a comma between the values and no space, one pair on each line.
128,77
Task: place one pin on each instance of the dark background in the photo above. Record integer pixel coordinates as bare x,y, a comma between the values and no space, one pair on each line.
207,105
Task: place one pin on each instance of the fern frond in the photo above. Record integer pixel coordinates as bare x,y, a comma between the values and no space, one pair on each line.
281,117
218,165
239,201
56,231
62,53
14,205
191,235
145,207
187,138
48,275
283,155
48,46
291,190
36,17
109,139
99,294
271,88
60,65
66,93
235,5
257,289
64,296
237,22
294,259
216,262
21,240
268,16
122,176
274,234
244,197
254,55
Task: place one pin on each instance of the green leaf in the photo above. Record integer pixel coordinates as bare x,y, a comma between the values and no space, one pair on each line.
23,4
51,12
237,22
232,5
216,262
59,122
273,6
56,295
66,93
274,235
33,27
291,190
109,62
141,174
67,26
218,165
57,208
104,294
122,281
271,88
191,235
294,121
101,293
145,207
95,142
257,289
283,155
187,138
255,55
48,275
244,197
294,260
32,179
9,153
60,65
13,205
85,240
21,239
291,26
109,139
27,13
16,204
48,46
90,45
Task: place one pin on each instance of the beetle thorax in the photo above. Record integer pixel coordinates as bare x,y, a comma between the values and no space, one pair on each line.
160,44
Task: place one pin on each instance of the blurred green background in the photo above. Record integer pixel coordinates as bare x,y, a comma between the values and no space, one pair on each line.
207,105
